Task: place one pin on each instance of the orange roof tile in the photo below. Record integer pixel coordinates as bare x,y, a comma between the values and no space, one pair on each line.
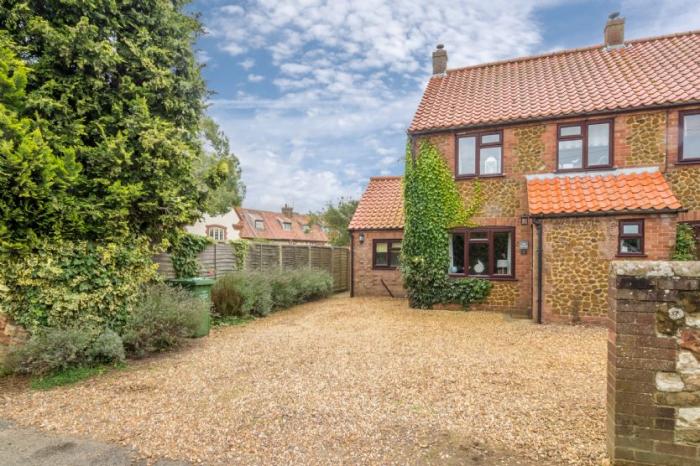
647,72
381,205
628,191
273,229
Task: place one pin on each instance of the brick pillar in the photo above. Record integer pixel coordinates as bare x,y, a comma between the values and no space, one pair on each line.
653,368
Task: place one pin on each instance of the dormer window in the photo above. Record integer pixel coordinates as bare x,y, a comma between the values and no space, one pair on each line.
479,154
287,226
584,146
259,225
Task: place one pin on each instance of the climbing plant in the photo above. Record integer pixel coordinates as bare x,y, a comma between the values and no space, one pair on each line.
685,249
184,253
433,205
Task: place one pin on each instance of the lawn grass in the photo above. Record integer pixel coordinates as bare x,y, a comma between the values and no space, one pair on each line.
70,376
230,320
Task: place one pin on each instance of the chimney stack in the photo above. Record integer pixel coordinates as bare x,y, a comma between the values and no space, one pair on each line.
615,31
439,60
287,211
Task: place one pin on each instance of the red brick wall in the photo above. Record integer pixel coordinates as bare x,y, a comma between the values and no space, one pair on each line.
367,281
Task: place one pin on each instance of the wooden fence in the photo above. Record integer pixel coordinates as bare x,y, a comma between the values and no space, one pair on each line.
219,258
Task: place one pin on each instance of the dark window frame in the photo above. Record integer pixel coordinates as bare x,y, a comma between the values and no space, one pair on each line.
583,137
388,253
477,154
489,230
621,236
681,122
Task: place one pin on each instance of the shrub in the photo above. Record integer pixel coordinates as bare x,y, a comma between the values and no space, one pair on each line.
163,317
75,284
242,294
54,350
253,293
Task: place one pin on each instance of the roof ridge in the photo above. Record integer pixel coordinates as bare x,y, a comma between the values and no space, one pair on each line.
566,52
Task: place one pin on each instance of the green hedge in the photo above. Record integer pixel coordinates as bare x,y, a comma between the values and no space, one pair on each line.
75,284
242,294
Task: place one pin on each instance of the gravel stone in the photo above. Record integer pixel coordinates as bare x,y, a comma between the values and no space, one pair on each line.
354,381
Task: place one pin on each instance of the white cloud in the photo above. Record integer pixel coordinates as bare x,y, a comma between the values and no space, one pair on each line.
349,75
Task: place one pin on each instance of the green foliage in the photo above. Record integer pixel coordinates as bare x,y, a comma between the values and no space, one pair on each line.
66,284
219,171
70,376
686,247
241,294
432,205
34,180
184,251
240,252
336,218
161,320
55,350
115,97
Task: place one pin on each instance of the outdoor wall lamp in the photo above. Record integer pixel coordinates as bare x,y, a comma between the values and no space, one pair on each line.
362,238
524,246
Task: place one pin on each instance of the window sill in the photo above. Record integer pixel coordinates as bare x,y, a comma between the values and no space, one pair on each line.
584,170
473,177
484,277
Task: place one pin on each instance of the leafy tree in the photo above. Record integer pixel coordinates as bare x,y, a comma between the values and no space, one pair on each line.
336,218
33,179
432,205
115,84
219,171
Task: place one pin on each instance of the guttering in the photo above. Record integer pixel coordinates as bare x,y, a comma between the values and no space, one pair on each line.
608,213
520,121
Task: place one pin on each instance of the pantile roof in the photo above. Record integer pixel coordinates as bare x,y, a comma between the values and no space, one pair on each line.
381,205
629,191
645,73
273,226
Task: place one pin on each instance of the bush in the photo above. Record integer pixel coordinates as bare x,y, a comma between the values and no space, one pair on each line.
75,284
242,294
252,293
55,350
163,317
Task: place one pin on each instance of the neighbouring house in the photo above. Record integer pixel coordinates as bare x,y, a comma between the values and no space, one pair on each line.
285,226
217,227
584,156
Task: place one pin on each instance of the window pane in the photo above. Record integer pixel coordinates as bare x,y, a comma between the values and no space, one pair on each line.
630,229
395,254
381,254
503,251
691,137
467,156
478,258
570,131
570,154
599,144
491,138
631,246
490,161
457,253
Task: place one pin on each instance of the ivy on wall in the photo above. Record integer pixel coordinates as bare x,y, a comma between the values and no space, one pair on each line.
685,249
184,253
433,205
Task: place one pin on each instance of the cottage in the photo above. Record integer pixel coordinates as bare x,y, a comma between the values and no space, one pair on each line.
584,156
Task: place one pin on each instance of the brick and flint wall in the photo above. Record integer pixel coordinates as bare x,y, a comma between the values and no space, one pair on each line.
654,363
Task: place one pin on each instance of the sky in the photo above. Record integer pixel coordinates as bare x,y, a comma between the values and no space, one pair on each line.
316,96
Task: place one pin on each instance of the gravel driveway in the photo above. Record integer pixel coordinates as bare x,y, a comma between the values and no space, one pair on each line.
357,381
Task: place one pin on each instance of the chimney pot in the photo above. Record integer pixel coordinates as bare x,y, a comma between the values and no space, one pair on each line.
440,60
614,32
